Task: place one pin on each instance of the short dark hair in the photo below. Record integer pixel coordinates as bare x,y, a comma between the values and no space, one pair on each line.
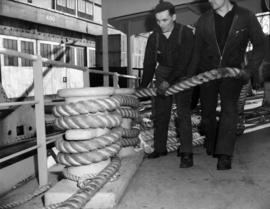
163,6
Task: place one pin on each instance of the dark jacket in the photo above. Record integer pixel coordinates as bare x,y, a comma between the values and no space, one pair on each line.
171,53
207,55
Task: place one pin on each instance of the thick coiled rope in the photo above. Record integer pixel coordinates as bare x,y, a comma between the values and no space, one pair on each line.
87,158
242,98
66,146
126,142
130,133
89,106
128,100
129,113
82,196
88,121
89,145
191,82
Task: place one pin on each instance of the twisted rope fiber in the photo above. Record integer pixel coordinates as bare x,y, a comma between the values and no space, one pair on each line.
128,100
82,179
130,133
87,158
129,113
88,106
88,121
193,81
147,136
127,142
27,198
68,146
83,195
76,178
195,142
242,98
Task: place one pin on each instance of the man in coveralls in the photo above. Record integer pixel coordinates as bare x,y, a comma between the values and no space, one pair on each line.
221,38
170,46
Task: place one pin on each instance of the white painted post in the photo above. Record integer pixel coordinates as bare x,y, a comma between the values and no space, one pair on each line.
40,122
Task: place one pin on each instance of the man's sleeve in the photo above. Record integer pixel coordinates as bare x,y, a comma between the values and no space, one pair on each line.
258,42
149,63
192,69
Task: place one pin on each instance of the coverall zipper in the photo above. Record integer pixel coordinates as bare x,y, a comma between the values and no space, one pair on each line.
230,31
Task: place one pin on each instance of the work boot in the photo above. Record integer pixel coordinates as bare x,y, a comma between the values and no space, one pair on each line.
224,162
186,160
178,153
156,154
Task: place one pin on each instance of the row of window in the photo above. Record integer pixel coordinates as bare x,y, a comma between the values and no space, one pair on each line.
74,55
85,8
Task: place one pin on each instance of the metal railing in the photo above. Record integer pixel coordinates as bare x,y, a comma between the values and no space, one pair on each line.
39,103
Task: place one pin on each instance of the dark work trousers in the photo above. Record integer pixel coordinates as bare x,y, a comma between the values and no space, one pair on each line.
163,106
220,140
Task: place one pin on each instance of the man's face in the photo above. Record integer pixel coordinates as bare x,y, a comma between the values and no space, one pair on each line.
217,4
165,20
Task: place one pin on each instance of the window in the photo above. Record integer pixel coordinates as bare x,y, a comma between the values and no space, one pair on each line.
80,57
71,4
91,57
67,6
27,47
70,55
85,9
58,53
10,44
46,52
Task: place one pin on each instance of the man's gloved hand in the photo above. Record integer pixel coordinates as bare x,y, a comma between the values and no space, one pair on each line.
162,88
244,76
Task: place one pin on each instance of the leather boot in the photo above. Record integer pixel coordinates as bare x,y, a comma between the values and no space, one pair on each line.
186,160
156,154
224,162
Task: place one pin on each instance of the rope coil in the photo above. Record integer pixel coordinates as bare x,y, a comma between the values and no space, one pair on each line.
127,142
88,121
191,82
130,133
80,199
87,158
65,146
89,106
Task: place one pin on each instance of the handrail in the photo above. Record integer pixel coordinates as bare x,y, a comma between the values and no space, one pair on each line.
59,63
9,104
16,154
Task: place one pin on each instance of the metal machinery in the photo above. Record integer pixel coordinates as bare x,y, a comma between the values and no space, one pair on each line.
17,123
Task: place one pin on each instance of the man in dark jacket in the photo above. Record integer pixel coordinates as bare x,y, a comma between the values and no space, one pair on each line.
221,38
170,45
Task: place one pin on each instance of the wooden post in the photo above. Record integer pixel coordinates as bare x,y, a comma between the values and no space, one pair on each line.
86,79
115,80
105,48
130,39
40,122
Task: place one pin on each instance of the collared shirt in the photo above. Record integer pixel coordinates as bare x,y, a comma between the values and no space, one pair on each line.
167,53
222,27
